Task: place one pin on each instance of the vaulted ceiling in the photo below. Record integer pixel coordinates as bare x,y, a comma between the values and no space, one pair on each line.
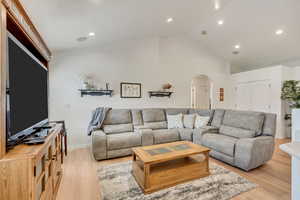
251,24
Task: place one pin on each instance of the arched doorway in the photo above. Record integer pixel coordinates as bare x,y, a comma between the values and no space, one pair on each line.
201,92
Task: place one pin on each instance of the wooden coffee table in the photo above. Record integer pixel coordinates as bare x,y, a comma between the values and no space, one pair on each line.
160,166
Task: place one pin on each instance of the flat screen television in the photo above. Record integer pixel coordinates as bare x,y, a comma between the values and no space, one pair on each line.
27,92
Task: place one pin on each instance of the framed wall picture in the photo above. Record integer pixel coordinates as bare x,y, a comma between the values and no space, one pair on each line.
131,90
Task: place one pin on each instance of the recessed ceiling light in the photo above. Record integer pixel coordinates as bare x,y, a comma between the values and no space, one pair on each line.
279,32
91,34
237,46
220,22
235,52
169,20
217,5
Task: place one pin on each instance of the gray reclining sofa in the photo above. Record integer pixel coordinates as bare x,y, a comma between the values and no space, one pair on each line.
243,139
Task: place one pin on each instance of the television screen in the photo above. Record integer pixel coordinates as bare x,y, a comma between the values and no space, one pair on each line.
27,90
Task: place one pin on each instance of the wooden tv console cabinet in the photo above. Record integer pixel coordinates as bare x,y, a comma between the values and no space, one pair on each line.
33,172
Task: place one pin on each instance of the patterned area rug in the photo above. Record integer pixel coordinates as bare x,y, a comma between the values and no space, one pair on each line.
117,183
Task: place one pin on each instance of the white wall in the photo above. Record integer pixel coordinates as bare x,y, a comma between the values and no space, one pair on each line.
152,62
273,77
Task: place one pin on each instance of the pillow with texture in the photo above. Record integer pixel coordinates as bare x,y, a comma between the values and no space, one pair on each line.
201,121
189,120
175,121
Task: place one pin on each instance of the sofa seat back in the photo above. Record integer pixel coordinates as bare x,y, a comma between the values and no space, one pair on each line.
242,124
118,121
154,118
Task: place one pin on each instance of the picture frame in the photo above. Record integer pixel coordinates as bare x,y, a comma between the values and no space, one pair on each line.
130,90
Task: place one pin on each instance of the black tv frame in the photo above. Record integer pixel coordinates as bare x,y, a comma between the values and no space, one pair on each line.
18,138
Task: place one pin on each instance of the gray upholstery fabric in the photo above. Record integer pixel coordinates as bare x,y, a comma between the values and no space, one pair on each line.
189,120
253,152
237,132
221,143
119,153
199,132
244,119
269,126
147,137
118,116
176,111
217,118
156,125
185,134
99,148
222,156
137,118
117,128
153,115
165,136
123,140
201,112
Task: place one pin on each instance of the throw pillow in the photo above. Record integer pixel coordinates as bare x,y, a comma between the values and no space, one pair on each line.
201,121
189,120
175,121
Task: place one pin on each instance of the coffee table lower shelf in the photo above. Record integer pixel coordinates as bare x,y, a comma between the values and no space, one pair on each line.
154,177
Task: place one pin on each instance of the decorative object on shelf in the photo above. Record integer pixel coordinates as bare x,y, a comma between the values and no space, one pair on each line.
167,87
87,82
94,92
290,92
131,90
159,94
221,94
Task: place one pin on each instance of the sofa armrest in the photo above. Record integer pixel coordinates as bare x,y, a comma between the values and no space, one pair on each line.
199,132
99,147
253,152
147,136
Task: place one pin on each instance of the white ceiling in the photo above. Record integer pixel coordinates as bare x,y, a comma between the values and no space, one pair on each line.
250,23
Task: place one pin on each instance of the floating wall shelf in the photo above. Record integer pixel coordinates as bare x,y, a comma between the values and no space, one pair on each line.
159,94
96,92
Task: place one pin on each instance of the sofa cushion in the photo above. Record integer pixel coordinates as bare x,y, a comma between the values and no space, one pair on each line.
118,128
244,119
123,140
237,132
189,120
137,118
221,143
153,115
175,121
185,134
217,118
156,125
165,136
201,121
118,116
269,126
176,111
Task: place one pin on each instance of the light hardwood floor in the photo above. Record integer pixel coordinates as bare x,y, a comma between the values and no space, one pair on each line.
80,177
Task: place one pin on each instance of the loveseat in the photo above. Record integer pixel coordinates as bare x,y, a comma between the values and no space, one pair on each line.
244,139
